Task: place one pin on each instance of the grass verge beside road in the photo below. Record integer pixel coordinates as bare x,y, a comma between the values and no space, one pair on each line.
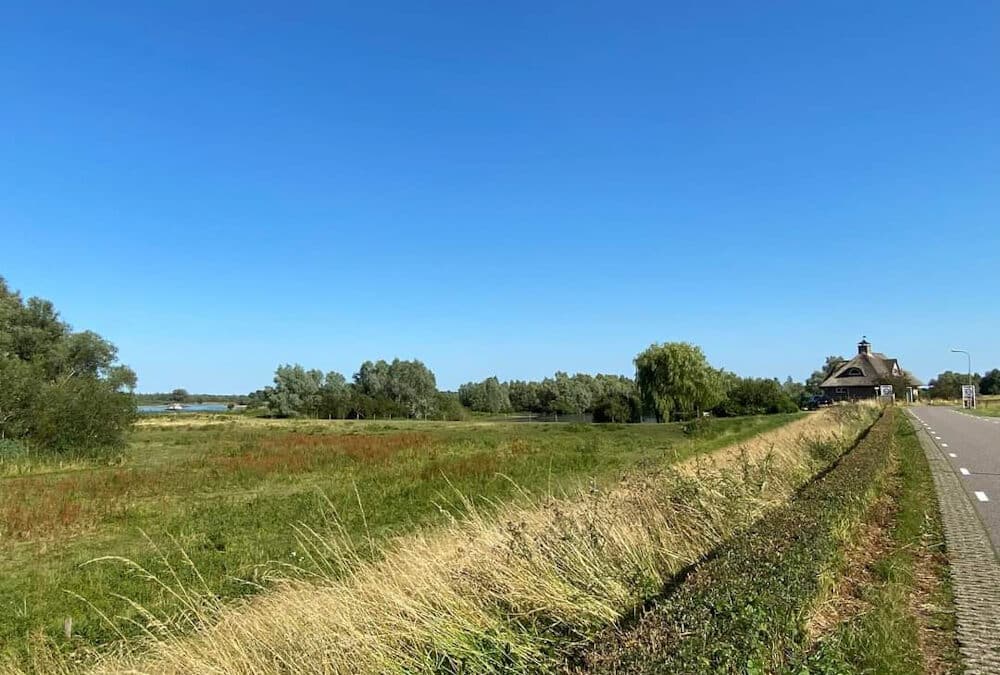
902,618
743,610
850,577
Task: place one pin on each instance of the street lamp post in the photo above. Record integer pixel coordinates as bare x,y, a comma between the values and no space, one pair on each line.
969,358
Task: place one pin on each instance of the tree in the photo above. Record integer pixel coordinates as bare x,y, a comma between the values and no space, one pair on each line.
949,384
796,391
179,396
523,395
618,407
448,407
755,396
989,385
334,396
413,386
410,385
490,395
60,391
676,378
818,376
296,392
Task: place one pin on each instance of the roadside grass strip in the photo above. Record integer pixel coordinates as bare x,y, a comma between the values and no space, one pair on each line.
746,608
904,615
513,590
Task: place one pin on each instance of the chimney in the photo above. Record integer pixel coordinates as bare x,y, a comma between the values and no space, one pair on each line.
864,347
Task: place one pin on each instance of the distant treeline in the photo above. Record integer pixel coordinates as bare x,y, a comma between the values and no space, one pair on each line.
673,381
949,384
182,396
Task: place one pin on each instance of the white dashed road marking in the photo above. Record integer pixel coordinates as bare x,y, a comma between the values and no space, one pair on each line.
963,471
981,496
952,455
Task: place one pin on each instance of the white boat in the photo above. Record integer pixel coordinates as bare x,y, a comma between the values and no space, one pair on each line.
175,406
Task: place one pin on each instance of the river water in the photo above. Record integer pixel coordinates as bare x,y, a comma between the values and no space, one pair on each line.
188,408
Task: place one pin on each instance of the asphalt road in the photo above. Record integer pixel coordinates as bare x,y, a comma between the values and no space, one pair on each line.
972,446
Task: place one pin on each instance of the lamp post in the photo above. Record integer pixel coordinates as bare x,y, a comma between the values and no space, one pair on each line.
967,356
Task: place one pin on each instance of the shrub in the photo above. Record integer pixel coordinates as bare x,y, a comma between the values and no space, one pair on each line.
755,396
618,407
61,390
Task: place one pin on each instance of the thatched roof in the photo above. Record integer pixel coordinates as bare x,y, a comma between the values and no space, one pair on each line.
867,369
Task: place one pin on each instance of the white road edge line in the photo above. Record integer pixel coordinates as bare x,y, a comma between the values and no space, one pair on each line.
944,445
952,455
981,496
963,471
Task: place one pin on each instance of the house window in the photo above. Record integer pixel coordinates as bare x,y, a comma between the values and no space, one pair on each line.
841,390
852,372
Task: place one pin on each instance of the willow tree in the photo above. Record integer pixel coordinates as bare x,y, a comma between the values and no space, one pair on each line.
675,378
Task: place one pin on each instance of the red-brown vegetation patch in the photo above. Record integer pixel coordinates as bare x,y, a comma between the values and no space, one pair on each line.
478,464
299,453
38,506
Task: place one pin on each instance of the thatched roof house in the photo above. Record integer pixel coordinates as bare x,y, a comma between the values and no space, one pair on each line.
861,376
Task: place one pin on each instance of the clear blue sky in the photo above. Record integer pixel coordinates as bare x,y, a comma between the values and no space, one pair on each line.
506,187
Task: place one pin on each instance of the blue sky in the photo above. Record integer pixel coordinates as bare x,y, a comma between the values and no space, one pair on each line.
509,188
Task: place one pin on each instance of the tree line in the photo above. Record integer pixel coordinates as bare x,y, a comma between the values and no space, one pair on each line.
181,395
64,390
379,389
948,385
673,381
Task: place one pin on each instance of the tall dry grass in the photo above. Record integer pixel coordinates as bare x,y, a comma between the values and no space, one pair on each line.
511,591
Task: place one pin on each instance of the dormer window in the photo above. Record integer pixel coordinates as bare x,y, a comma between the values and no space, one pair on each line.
852,372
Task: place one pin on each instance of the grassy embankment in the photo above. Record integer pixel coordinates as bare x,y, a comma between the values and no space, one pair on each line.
847,578
510,591
230,492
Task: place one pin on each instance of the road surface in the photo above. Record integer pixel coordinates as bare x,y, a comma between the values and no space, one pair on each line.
971,445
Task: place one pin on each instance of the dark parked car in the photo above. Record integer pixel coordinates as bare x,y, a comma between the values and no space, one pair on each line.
817,402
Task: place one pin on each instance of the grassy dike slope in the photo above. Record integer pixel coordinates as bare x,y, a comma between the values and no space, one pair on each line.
745,609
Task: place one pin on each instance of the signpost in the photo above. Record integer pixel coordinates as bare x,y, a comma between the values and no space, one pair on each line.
968,396
886,392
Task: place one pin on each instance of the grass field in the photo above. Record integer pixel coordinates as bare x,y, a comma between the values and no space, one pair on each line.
229,491
513,587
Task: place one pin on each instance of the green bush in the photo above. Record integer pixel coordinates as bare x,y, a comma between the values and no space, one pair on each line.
755,396
61,390
618,407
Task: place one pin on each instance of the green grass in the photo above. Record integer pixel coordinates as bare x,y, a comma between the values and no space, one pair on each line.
227,490
992,410
743,610
886,638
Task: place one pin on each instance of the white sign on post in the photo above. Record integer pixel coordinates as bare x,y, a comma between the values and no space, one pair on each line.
968,396
886,391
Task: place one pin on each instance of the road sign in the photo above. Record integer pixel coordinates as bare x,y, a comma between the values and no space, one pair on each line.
968,396
886,391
